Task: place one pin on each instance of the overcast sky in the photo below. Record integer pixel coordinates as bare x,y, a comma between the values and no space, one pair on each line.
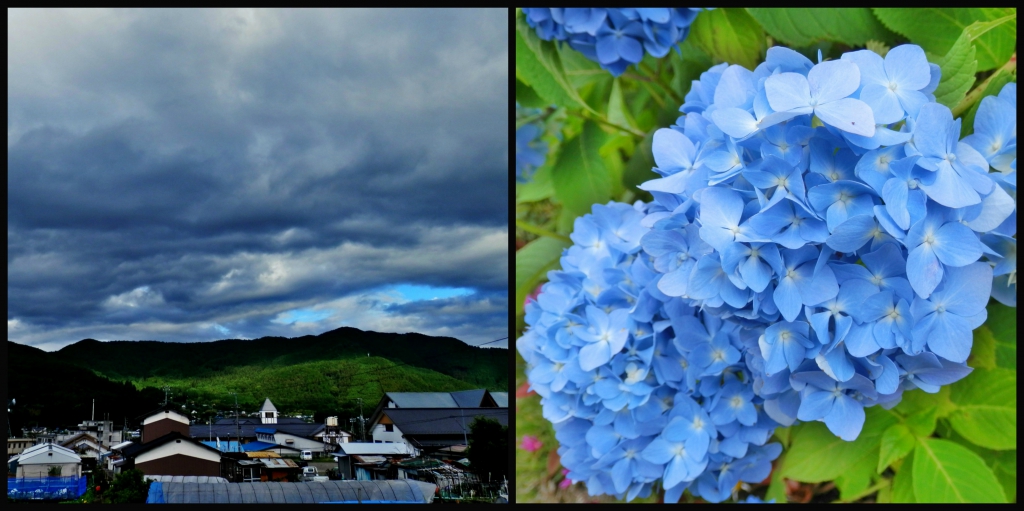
191,175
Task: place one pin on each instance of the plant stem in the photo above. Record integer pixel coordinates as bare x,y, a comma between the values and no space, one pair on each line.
540,231
527,120
599,120
975,95
657,79
881,484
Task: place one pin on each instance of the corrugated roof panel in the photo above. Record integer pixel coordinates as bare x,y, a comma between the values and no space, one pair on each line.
469,398
501,398
423,399
404,490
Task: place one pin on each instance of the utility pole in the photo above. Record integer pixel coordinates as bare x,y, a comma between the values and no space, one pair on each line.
238,436
166,390
464,438
362,420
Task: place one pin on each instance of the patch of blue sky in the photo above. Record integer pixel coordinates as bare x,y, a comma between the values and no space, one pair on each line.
414,293
302,316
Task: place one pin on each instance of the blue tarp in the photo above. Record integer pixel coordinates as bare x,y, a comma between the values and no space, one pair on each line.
224,445
257,446
57,488
156,493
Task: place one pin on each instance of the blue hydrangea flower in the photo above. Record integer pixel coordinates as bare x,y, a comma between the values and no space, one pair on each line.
781,273
531,151
615,38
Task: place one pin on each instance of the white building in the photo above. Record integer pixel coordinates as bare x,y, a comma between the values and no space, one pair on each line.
43,459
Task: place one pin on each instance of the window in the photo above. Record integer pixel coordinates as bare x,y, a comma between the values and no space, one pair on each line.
389,428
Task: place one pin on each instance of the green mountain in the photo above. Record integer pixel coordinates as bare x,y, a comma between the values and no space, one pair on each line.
322,375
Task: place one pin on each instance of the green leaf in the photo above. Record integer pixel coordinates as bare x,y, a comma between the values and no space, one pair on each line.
617,113
539,66
986,412
903,483
918,401
983,351
580,177
801,27
776,488
897,442
937,29
856,478
539,187
948,472
1004,465
533,262
958,67
1002,321
527,97
922,423
805,462
638,170
729,35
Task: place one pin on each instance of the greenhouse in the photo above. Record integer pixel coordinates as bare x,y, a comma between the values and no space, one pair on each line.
363,492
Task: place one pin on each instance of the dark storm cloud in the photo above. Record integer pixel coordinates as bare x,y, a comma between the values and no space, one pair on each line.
189,175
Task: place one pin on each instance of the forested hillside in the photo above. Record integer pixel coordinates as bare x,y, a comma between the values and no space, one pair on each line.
134,360
320,375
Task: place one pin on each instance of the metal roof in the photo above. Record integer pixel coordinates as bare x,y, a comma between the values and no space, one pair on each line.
423,399
187,479
259,446
362,448
265,430
392,491
501,398
469,398
441,421
268,406
223,445
121,445
225,428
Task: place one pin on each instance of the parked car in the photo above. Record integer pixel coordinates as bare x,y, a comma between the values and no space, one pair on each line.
306,455
310,474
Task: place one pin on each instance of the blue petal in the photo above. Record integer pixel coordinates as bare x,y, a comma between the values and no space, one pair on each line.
735,88
965,290
846,418
674,283
676,472
895,195
820,287
833,80
606,50
630,49
950,337
720,207
884,103
850,115
852,234
873,308
907,66
755,273
860,341
956,245
889,380
836,364
672,150
933,141
788,91
659,242
735,122
787,299
815,405
923,270
594,354
994,209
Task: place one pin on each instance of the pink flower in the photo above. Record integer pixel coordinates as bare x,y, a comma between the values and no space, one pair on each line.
530,443
565,482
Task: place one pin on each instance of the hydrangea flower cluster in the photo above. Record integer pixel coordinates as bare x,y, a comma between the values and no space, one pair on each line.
614,38
820,241
531,151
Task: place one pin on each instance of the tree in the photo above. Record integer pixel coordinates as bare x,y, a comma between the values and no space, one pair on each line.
128,486
488,449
